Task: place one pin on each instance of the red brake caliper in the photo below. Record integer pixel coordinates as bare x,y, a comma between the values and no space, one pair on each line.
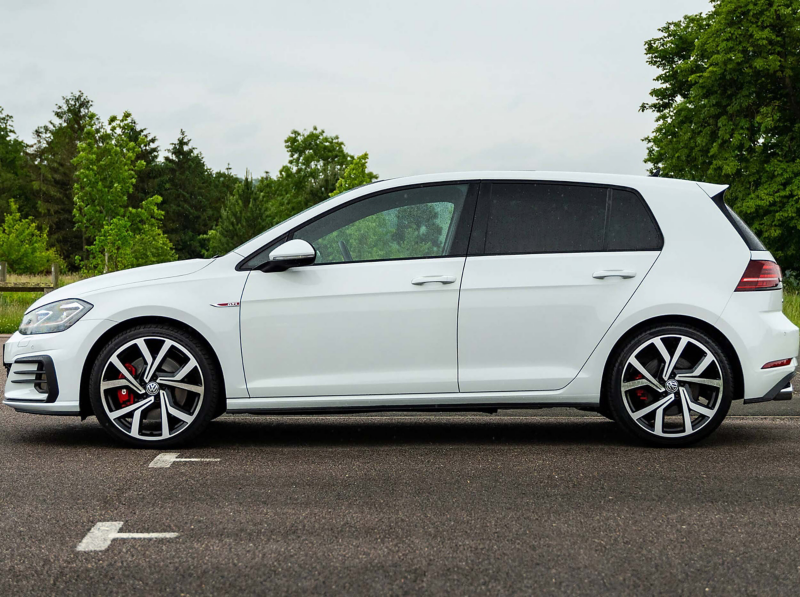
123,395
641,393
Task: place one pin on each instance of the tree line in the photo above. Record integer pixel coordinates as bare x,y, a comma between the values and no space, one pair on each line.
99,195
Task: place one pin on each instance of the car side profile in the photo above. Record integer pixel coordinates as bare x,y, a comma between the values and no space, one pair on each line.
646,299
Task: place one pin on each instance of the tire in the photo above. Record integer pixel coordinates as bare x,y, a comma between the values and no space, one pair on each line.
154,386
665,376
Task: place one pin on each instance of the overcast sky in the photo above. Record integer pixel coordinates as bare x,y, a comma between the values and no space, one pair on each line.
424,86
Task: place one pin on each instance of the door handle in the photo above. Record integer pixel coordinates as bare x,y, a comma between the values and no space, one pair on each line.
420,280
613,273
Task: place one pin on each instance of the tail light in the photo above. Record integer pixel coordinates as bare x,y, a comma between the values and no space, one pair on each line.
760,275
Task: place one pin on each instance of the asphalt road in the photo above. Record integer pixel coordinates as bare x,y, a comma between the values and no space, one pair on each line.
445,504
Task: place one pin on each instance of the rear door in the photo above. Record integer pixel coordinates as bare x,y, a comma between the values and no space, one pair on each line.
550,267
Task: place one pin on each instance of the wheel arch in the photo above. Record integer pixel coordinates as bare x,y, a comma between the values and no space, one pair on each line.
700,324
85,404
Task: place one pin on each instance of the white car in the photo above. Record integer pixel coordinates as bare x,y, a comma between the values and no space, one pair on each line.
646,299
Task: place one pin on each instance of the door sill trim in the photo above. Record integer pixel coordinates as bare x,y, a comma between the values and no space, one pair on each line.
406,401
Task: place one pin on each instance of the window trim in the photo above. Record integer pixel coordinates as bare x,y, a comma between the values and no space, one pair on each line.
480,227
463,226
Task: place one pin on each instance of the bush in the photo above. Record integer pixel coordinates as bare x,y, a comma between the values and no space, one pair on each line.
23,246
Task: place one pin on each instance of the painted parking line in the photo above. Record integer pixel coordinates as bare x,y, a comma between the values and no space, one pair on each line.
166,459
103,533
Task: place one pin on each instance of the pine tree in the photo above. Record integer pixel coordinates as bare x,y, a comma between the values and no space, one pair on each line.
185,185
243,215
55,147
15,183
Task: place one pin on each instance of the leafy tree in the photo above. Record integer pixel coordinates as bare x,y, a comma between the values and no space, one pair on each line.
244,215
316,162
107,164
15,183
54,149
728,111
22,245
132,239
355,175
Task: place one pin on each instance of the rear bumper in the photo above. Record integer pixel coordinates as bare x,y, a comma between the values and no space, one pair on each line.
760,333
780,391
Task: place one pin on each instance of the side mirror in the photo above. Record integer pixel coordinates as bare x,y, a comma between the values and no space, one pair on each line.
294,253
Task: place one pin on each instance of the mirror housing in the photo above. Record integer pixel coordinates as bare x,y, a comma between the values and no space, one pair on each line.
294,253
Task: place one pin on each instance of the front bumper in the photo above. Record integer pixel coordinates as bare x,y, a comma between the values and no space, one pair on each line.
44,371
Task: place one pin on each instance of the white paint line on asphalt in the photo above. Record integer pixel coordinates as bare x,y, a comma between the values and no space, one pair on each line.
103,533
166,459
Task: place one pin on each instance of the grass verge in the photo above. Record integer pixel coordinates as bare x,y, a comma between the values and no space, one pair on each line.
14,304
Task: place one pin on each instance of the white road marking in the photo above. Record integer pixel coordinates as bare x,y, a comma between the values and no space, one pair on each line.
166,459
103,533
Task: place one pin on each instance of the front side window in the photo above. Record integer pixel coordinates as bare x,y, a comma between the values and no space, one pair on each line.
405,224
561,218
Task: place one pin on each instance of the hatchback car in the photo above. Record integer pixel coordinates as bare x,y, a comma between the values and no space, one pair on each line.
646,299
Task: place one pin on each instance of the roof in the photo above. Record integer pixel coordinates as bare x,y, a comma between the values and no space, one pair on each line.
626,180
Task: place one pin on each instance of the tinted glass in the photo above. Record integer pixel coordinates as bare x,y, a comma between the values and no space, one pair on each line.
545,218
753,242
405,224
630,227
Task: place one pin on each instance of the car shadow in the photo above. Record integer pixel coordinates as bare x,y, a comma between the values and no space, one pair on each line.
385,431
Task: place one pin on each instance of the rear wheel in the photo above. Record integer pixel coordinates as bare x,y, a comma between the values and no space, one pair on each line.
154,386
671,386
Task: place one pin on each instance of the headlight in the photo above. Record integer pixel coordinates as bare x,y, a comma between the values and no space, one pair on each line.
55,317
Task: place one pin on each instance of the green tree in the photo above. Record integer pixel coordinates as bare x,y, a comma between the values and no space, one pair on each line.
355,175
316,163
53,172
22,245
15,182
193,197
727,111
149,177
243,216
132,239
107,163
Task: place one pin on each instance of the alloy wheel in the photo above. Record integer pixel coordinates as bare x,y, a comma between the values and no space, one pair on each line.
152,388
672,386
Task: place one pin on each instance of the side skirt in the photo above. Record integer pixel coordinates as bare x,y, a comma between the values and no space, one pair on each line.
482,402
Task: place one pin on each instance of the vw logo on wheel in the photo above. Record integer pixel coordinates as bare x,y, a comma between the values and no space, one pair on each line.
671,386
152,388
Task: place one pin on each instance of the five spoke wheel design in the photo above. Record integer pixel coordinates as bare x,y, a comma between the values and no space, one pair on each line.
152,388
672,385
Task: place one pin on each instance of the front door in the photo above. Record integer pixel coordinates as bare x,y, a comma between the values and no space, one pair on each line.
550,268
376,313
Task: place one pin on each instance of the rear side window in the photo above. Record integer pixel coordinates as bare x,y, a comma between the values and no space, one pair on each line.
545,218
558,218
630,227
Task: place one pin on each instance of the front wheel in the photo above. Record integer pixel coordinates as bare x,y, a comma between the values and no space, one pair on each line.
154,386
671,386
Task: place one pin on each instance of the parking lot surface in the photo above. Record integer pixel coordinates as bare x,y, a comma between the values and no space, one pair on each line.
417,504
